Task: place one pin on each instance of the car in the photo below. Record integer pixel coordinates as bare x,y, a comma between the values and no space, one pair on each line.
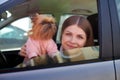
104,16
11,36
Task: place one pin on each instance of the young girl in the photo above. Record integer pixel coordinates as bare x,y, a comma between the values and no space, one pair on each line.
40,42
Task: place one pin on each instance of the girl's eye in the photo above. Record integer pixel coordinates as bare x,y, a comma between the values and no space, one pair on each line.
80,37
68,34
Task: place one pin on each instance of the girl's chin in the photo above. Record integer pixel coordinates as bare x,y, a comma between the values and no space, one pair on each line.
69,48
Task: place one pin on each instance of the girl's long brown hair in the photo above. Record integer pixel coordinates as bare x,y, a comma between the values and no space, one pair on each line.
83,23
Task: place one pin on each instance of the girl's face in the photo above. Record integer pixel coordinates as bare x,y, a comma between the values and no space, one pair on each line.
73,37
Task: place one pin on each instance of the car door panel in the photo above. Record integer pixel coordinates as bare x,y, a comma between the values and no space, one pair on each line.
92,71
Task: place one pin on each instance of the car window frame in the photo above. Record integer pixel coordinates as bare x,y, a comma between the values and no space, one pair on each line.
115,22
106,46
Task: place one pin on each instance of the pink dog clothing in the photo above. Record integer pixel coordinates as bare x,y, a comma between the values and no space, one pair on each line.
33,47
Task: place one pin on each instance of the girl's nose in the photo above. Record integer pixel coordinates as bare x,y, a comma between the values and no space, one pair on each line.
73,40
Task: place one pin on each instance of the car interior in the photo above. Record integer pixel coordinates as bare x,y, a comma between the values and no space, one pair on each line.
93,19
10,58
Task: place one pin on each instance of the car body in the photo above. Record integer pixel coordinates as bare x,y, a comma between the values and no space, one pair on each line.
106,67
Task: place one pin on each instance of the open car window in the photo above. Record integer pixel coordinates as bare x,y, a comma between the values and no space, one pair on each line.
14,34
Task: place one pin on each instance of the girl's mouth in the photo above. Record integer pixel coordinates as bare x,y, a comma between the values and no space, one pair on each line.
71,46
